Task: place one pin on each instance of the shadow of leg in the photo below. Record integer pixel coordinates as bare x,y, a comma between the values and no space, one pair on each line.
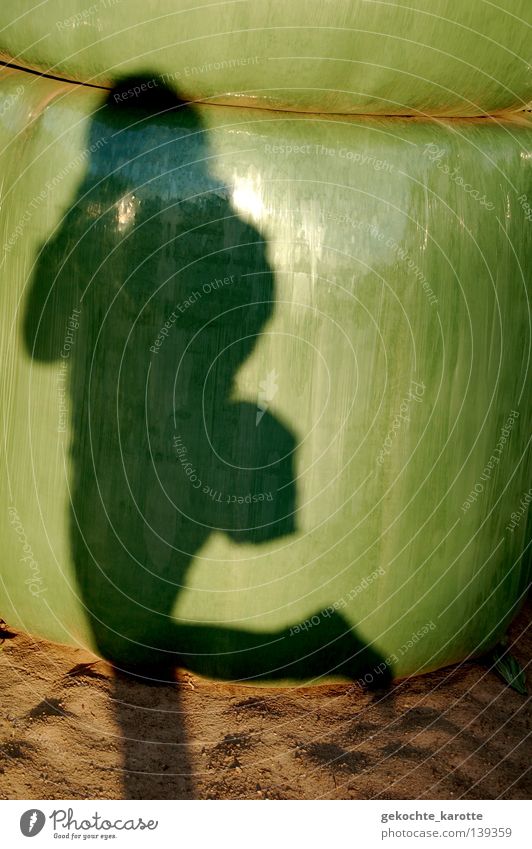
330,647
156,756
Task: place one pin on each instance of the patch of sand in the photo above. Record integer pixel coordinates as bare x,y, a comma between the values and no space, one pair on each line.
70,727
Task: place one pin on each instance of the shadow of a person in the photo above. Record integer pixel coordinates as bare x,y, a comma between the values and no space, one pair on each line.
150,296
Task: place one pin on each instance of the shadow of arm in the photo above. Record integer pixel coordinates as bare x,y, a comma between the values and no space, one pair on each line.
51,300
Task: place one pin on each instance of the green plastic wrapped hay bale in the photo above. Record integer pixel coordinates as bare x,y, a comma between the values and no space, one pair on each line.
266,396
432,57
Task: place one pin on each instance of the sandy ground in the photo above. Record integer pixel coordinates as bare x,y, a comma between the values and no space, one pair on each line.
71,728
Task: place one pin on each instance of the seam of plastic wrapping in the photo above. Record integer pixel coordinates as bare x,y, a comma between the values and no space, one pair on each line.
6,62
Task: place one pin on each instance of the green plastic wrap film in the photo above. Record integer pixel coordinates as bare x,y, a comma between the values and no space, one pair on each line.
395,57
265,389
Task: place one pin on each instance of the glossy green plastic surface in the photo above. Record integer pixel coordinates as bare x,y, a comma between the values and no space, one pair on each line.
265,389
431,57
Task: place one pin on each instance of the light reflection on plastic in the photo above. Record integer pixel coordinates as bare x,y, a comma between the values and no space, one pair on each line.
247,197
126,210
